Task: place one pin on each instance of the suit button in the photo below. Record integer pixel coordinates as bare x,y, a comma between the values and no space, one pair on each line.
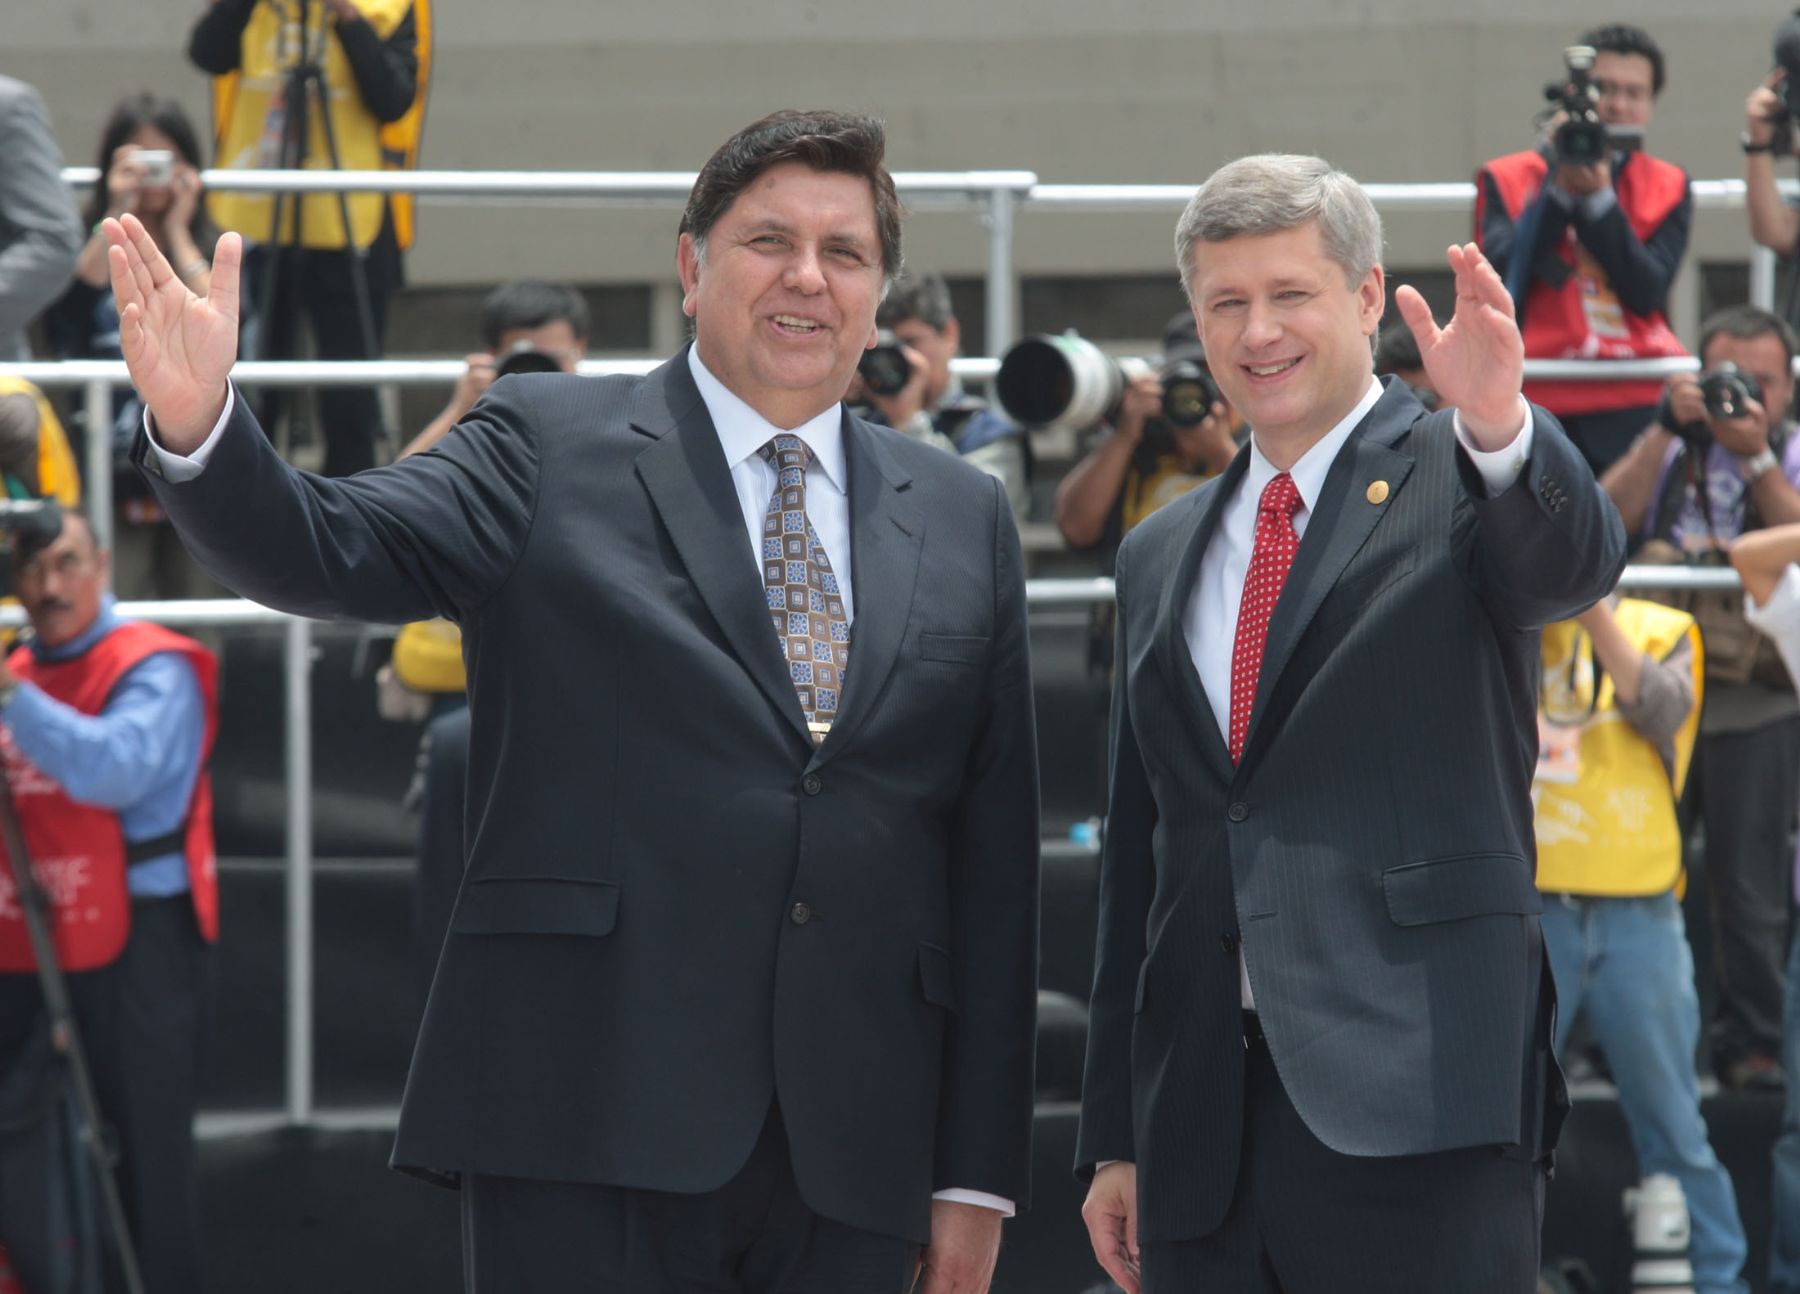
1238,811
800,914
1228,944
812,784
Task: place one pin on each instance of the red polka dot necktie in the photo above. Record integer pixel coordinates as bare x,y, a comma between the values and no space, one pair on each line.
804,601
1276,543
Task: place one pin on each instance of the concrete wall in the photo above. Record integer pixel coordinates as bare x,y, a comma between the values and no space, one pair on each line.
1076,90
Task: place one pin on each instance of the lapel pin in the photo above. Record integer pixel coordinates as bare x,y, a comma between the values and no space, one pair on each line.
1378,492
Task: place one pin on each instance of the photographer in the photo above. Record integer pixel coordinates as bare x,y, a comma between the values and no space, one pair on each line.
932,402
528,326
1587,230
372,59
1144,460
106,726
1722,460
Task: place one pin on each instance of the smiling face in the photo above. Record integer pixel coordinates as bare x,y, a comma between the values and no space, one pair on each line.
1286,337
784,303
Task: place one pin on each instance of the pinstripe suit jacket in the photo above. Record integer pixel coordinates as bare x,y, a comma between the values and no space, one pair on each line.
1372,850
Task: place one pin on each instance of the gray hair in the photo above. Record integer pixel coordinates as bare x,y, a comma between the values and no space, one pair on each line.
1272,192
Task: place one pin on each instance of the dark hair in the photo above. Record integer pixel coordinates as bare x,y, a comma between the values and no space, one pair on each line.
29,541
1623,38
1747,323
531,303
848,143
1396,349
128,116
921,295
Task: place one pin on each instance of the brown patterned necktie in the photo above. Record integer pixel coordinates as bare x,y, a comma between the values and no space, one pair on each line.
804,602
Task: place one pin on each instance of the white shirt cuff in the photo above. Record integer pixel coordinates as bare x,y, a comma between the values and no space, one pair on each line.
1598,203
1501,467
1001,1205
177,468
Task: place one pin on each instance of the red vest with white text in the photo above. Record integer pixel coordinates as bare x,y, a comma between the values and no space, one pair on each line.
78,850
1584,319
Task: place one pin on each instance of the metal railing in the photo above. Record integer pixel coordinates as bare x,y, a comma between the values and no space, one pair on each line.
297,656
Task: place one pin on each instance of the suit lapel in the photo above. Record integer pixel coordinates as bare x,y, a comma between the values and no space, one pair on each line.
689,482
1187,548
887,533
1343,521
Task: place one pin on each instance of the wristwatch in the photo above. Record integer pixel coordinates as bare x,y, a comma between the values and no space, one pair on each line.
1751,146
1751,467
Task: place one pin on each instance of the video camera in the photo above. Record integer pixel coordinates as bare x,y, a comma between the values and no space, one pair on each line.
1581,138
1062,380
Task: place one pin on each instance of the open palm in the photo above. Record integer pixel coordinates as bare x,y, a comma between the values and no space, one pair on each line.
179,347
1477,363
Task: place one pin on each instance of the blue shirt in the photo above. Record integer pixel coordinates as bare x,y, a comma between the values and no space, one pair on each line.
140,756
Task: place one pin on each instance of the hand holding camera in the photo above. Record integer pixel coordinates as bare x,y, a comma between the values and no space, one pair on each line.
1723,404
894,376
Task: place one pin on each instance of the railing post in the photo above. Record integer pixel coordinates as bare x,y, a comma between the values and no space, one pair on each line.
97,487
298,663
1002,279
1762,277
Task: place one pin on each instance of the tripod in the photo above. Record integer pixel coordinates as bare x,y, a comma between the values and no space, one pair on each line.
303,83
65,1036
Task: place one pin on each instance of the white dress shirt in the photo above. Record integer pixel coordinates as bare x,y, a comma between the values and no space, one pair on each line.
1210,622
742,434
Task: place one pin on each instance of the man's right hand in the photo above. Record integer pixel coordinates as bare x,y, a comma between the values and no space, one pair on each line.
1141,402
477,377
1763,110
1111,1214
178,347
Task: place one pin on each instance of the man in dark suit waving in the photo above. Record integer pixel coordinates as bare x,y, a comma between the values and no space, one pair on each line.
1319,1057
739,989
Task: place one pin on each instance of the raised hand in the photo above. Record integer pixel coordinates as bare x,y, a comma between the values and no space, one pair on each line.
178,347
1477,363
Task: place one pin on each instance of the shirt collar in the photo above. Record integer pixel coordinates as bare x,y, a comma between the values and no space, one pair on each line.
104,623
743,431
1310,472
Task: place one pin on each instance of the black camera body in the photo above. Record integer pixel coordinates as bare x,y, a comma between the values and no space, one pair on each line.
1728,391
1189,393
1581,138
884,367
525,358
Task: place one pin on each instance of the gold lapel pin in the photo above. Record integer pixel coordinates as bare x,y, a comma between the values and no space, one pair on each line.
1378,492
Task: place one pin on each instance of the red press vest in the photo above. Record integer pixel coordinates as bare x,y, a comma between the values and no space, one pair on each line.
78,850
1558,323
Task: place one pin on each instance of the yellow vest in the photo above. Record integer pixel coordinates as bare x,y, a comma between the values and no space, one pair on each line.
428,657
57,476
247,126
1612,831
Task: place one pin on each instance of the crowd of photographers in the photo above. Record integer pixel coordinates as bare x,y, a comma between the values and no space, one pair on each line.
1588,228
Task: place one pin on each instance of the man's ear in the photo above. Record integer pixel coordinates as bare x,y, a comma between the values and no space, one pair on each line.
687,265
1372,300
953,335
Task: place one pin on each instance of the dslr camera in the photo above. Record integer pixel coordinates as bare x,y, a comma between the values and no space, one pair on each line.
525,358
1581,139
1727,392
884,367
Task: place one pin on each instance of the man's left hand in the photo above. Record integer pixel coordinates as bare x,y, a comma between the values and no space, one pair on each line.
1583,179
965,1244
1477,364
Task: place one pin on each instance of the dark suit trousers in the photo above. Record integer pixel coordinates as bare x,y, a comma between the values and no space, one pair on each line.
1307,1220
754,1235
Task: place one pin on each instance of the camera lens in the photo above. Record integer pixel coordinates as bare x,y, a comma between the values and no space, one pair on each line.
1189,393
884,367
527,360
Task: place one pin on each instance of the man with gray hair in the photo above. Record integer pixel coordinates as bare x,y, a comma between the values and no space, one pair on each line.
1320,1048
